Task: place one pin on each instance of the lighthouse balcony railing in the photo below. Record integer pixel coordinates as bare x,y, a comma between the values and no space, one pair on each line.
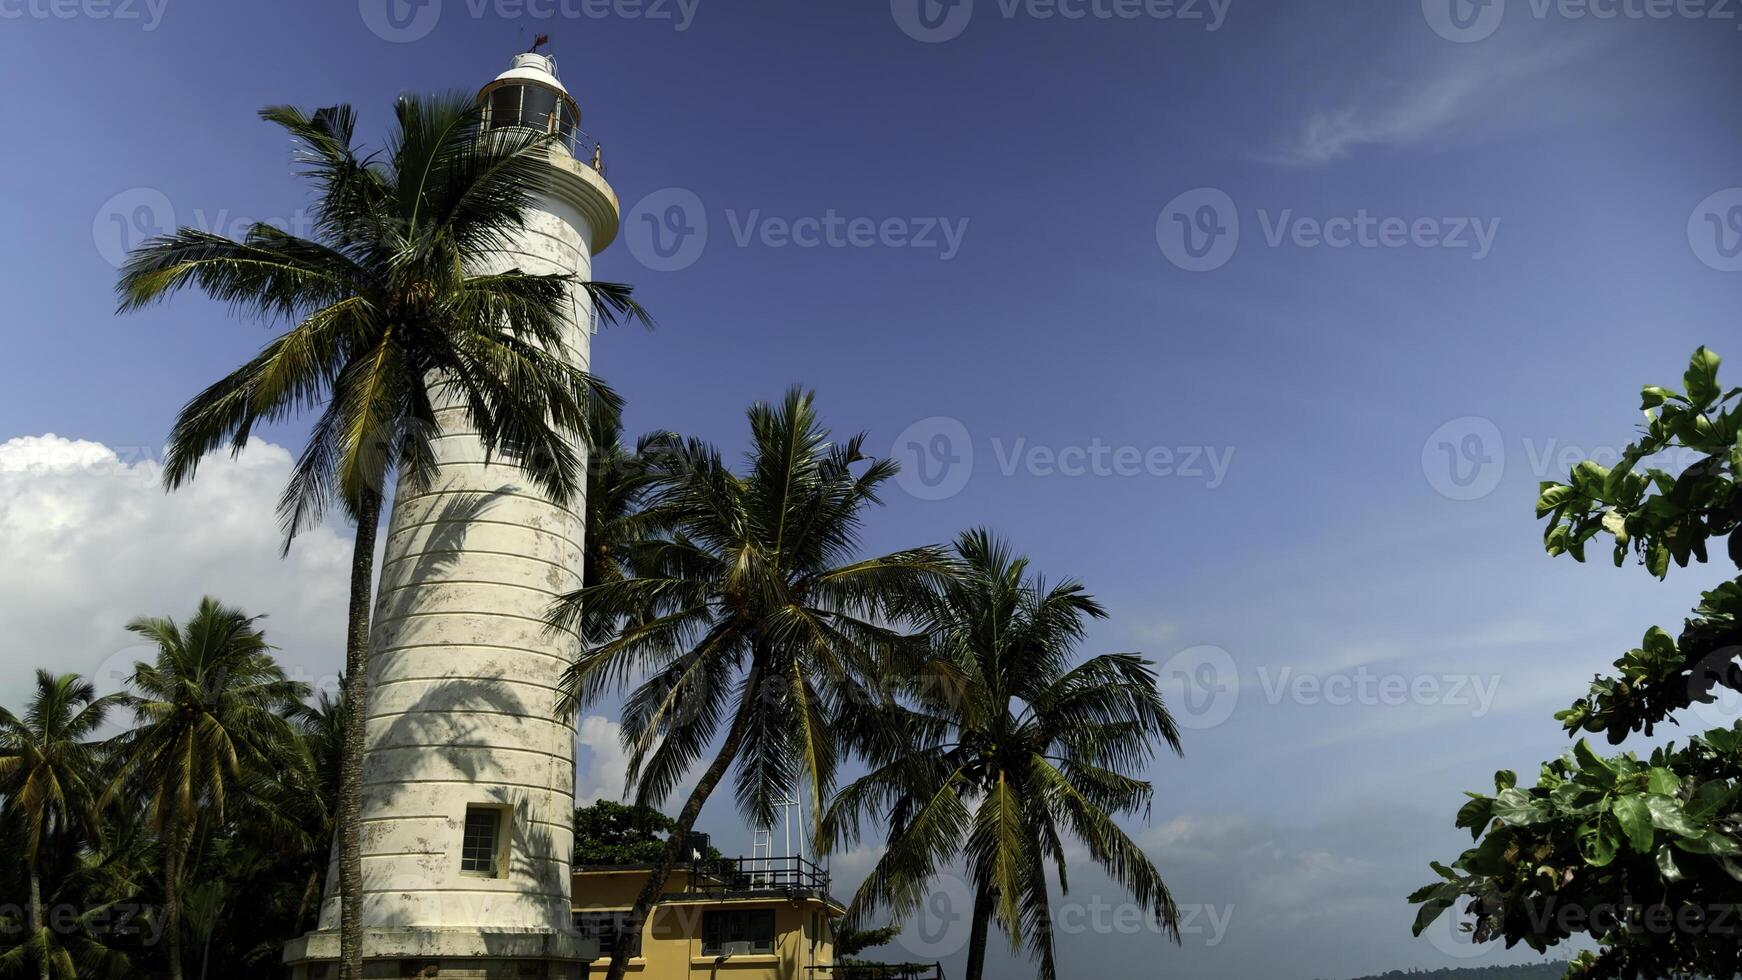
571,138
789,874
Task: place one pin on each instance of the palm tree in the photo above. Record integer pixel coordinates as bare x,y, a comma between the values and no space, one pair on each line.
211,714
618,480
323,732
1001,748
748,607
391,323
48,764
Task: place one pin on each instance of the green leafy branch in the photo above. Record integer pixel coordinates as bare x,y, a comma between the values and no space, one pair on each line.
1606,847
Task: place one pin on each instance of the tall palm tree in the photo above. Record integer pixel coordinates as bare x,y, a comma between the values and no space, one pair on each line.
1000,749
48,772
212,713
748,607
390,323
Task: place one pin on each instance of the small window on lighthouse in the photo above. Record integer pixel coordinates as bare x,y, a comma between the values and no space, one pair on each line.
481,845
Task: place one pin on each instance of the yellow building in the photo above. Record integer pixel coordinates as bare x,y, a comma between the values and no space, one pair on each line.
723,919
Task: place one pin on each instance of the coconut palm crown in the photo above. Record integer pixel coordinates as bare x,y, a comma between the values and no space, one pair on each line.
1001,748
213,711
749,619
49,772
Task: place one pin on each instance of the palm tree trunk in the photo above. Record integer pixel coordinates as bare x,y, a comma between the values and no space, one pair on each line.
36,921
977,938
686,821
356,695
172,900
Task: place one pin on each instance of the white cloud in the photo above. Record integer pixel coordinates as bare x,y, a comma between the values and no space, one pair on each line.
600,762
90,541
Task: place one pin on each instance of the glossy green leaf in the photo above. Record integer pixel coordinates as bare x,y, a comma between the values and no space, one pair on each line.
1635,820
1701,379
1667,814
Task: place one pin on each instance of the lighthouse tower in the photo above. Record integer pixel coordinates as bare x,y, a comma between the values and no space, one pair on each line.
468,782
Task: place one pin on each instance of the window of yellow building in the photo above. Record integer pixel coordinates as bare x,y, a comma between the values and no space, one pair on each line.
738,931
609,929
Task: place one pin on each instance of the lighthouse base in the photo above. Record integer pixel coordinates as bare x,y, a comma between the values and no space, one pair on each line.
402,954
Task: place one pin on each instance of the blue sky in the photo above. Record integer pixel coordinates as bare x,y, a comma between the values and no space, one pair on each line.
1481,232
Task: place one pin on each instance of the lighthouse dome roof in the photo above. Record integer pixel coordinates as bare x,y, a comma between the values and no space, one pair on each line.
539,69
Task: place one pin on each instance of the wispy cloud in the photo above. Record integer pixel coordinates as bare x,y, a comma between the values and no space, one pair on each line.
1441,100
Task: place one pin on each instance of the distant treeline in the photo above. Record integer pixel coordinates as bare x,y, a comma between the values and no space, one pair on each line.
1550,970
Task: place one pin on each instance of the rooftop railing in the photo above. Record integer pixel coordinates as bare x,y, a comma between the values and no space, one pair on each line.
876,971
790,873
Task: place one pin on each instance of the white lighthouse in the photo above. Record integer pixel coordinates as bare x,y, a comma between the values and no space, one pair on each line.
468,783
